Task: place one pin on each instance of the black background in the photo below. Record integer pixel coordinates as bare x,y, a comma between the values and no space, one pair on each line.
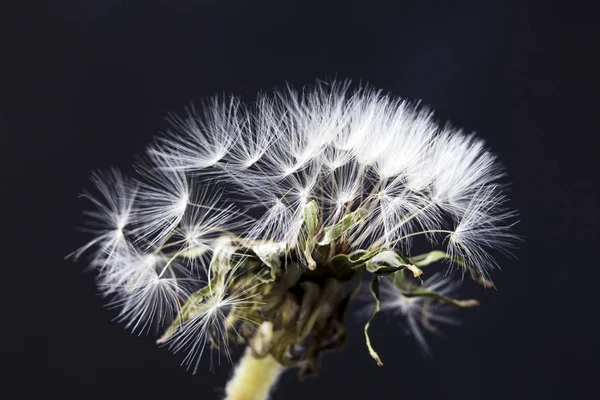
86,84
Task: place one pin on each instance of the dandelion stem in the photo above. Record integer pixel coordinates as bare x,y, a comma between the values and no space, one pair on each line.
253,378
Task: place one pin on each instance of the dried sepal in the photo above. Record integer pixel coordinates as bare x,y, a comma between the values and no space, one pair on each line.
308,231
374,288
350,220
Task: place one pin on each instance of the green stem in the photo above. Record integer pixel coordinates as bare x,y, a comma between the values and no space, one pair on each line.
253,378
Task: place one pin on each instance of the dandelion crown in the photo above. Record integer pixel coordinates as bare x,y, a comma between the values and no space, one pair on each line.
256,224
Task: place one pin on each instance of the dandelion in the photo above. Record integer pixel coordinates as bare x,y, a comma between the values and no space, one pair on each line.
254,224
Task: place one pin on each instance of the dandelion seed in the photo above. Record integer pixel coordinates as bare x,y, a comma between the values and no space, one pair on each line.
200,141
255,134
163,198
114,212
483,227
420,313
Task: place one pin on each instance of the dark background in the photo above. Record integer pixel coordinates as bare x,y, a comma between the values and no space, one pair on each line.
86,84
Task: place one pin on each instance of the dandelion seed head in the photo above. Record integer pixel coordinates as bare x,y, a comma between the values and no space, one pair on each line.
233,191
